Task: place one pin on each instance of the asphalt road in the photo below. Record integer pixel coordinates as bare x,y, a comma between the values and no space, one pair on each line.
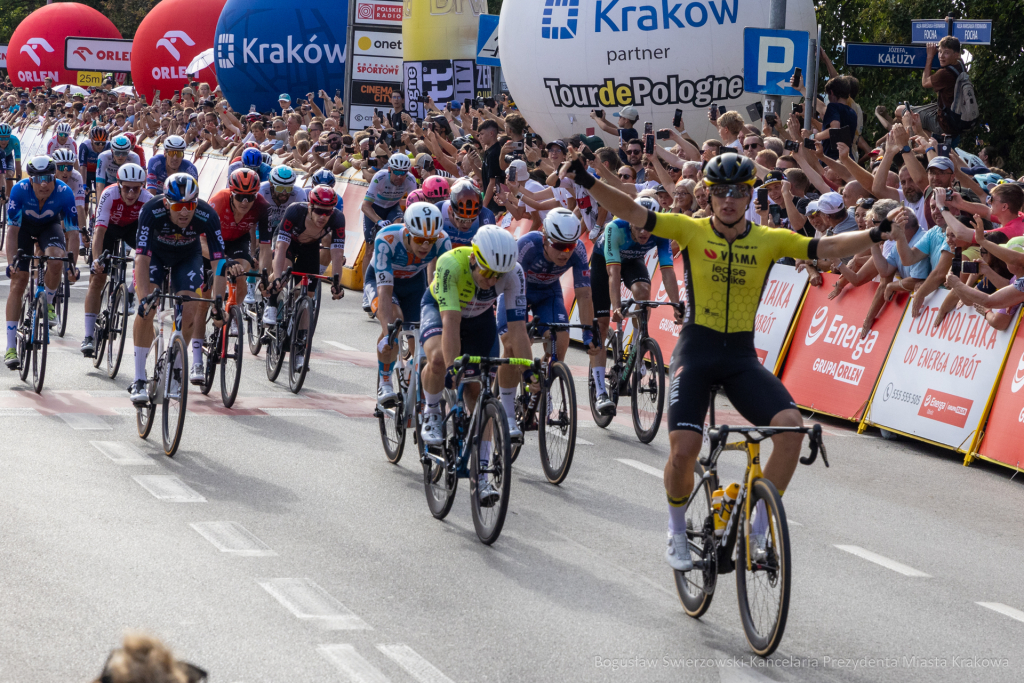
279,544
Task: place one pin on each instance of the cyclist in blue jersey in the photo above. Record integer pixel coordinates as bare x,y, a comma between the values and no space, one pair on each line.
10,149
619,258
400,257
40,212
252,159
323,177
170,162
464,213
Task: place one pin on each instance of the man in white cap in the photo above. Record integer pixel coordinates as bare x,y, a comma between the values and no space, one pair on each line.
834,214
627,116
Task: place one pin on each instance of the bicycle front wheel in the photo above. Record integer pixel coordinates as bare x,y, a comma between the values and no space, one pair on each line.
275,352
300,344
175,394
24,338
392,424
145,414
211,359
763,590
490,472
557,424
117,330
101,329
697,586
60,303
231,361
40,337
648,391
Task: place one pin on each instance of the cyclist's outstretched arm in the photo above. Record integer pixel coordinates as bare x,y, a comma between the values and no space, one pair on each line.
616,202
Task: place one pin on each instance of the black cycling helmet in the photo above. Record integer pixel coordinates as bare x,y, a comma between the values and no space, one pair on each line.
730,169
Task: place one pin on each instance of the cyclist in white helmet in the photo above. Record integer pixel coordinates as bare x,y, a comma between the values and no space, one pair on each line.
62,139
280,191
66,161
170,162
109,161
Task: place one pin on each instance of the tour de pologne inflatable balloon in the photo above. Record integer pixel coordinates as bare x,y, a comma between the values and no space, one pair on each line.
36,49
170,36
563,58
269,47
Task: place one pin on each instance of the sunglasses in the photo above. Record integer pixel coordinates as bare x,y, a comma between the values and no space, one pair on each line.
323,212
134,190
398,173
62,135
183,206
626,176
423,240
753,146
563,247
247,198
284,189
735,191
120,155
4,138
632,152
43,179
64,168
175,154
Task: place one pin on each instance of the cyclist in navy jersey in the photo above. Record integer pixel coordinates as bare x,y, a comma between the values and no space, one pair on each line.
170,162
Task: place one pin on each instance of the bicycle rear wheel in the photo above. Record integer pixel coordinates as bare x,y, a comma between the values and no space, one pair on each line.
211,359
440,480
145,415
648,390
40,337
175,394
300,344
254,327
492,477
275,352
117,330
557,424
231,362
697,586
60,303
392,425
763,591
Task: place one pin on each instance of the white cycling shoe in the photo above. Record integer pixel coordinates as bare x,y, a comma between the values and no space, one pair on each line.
677,554
270,315
386,396
198,374
431,431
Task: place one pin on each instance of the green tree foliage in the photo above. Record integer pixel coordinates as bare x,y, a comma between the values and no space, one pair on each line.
997,71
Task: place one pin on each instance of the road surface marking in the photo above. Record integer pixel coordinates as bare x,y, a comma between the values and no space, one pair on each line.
417,667
343,347
301,412
654,471
352,665
121,453
86,421
19,412
233,538
306,600
1005,610
883,561
169,488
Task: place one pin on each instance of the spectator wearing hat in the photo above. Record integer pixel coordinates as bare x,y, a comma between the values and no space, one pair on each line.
626,130
835,217
284,100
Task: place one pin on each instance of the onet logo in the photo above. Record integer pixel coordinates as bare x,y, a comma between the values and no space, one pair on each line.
1018,376
711,254
170,38
817,325
83,52
560,25
30,48
226,51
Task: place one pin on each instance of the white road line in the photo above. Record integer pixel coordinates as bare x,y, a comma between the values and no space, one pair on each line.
352,665
1005,610
85,421
169,488
883,561
121,453
343,347
233,538
306,600
417,667
654,471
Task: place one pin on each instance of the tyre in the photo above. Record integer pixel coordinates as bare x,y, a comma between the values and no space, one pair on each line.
392,425
61,302
117,327
648,390
523,416
144,415
211,359
100,332
440,479
300,343
492,428
697,586
175,394
40,339
254,327
318,296
763,591
556,434
275,352
25,341
231,360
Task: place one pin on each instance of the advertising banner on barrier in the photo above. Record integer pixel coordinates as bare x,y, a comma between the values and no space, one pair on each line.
97,54
3,56
780,300
1004,433
937,381
829,368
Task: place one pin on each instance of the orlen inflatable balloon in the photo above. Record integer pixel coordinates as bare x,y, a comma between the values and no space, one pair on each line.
269,47
564,58
168,38
36,49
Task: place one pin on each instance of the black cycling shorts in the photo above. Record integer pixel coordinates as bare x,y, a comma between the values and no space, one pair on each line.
185,267
478,335
305,258
118,233
238,250
632,271
704,357
51,235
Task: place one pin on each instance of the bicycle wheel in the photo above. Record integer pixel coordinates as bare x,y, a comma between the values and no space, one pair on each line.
523,416
101,330
211,359
440,480
145,415
117,330
300,344
175,393
648,390
489,517
254,327
231,362
392,425
557,424
763,592
25,340
611,383
697,586
60,303
40,339
318,296
275,352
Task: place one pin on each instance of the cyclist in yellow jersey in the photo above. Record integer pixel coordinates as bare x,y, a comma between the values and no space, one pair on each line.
458,316
727,260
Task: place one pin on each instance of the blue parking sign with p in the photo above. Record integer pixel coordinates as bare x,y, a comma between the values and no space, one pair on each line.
769,58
